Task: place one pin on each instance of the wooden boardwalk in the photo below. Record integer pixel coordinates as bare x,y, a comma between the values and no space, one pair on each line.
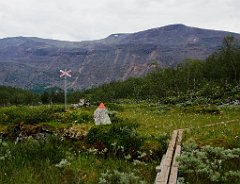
168,169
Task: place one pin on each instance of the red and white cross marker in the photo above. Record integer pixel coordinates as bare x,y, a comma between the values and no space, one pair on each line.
65,73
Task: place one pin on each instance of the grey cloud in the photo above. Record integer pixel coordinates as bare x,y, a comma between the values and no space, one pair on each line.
95,19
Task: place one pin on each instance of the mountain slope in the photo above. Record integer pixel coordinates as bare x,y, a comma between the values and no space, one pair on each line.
33,62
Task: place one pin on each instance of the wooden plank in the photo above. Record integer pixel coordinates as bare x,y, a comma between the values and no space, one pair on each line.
159,167
175,164
173,175
162,177
180,133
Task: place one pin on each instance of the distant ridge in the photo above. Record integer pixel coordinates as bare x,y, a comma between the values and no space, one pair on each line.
30,62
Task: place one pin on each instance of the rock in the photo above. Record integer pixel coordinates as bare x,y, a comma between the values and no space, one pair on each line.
23,131
101,116
29,130
82,103
77,131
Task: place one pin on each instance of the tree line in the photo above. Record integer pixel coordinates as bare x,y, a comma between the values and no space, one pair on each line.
16,96
217,77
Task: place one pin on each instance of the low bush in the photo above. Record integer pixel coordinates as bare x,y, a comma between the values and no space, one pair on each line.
117,177
119,138
155,147
75,116
85,117
201,110
30,115
209,164
32,152
173,100
114,107
99,137
152,149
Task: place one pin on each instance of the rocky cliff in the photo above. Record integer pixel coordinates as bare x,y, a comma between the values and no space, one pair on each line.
35,63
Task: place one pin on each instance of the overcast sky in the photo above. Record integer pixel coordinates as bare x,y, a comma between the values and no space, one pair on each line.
79,20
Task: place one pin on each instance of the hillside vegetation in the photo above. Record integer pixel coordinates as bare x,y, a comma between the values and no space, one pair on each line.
17,96
213,80
216,79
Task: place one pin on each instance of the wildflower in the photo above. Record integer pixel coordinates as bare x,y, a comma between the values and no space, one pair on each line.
104,150
62,163
138,162
92,150
4,144
142,154
128,157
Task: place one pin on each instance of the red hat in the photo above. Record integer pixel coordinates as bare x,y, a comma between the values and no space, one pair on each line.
101,106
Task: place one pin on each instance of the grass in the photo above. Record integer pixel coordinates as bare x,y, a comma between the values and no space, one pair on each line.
223,135
157,119
36,162
33,162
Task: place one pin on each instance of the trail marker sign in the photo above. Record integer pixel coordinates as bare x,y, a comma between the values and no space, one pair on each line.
65,73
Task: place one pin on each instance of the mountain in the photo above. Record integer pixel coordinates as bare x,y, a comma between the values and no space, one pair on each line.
35,63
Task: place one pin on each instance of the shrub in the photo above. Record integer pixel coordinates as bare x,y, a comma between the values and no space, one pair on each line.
85,117
77,131
30,115
76,116
98,136
117,177
32,151
209,164
119,138
153,150
124,136
114,107
202,110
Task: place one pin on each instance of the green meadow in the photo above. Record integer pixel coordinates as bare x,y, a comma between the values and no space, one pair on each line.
126,151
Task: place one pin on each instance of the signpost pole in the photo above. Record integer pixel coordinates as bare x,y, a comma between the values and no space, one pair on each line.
65,92
65,74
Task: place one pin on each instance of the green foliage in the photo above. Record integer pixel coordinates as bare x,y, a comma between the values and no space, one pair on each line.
16,96
52,96
78,116
99,137
85,117
152,149
202,110
49,148
28,115
210,164
45,98
83,163
213,78
117,177
23,156
114,107
119,138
